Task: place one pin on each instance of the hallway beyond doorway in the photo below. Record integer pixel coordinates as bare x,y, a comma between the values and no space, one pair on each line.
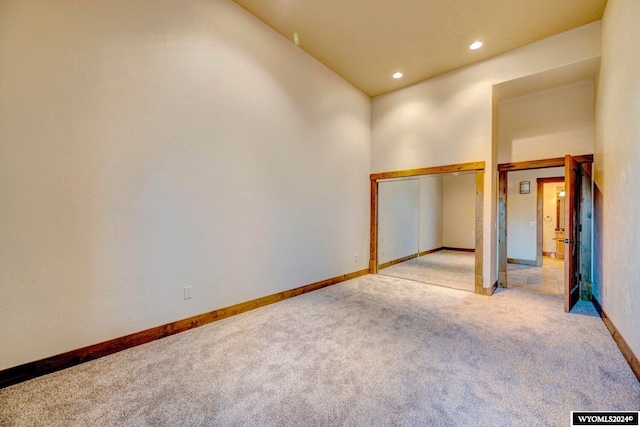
548,279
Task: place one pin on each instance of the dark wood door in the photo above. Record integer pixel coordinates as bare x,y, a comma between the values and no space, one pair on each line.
571,253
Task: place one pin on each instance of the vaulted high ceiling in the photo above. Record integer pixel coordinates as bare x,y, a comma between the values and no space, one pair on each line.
366,41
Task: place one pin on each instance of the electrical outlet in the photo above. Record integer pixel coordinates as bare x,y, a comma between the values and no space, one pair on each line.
355,258
187,292
532,223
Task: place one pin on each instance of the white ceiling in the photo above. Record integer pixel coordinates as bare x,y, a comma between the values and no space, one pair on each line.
366,41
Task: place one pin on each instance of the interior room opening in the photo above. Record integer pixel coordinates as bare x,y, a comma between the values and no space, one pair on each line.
536,213
426,229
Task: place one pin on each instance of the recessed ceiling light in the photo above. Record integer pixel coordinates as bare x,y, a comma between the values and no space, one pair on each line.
475,45
397,75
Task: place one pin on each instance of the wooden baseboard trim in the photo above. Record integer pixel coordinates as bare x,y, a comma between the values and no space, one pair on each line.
544,253
502,279
481,290
430,251
396,261
408,257
58,362
521,261
626,351
447,248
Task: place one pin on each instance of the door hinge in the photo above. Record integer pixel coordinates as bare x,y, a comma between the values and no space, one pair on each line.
580,227
580,277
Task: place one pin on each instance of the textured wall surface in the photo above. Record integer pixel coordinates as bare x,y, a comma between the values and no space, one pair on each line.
410,217
430,212
448,119
617,171
522,210
426,213
459,211
398,219
149,146
547,124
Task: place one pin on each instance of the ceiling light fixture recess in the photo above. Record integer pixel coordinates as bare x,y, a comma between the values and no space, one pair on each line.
397,75
475,45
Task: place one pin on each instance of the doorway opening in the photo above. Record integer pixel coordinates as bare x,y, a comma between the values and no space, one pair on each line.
426,229
476,170
573,224
550,210
535,222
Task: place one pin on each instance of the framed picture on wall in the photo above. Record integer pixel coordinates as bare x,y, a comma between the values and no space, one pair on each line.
525,187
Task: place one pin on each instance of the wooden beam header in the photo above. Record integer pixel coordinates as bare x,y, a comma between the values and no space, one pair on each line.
550,180
460,167
540,164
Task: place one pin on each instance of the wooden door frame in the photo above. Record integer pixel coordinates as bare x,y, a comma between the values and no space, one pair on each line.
586,287
503,169
572,188
539,214
478,167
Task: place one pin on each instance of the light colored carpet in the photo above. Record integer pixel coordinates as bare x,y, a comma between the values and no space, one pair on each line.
372,351
453,269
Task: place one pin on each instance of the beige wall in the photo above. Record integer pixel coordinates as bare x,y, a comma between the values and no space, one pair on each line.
410,217
398,219
425,213
458,211
449,119
430,213
522,212
148,146
547,124
617,171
